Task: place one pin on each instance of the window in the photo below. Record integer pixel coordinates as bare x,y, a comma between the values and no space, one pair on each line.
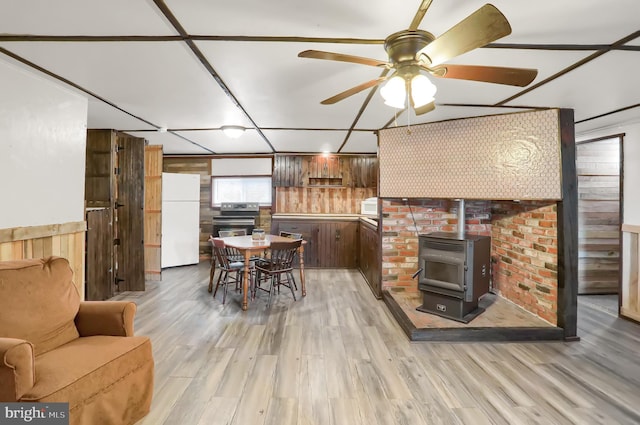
240,189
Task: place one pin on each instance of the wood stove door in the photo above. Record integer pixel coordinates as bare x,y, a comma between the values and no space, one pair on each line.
441,271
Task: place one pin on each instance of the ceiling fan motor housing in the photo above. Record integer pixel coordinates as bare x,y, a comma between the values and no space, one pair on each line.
402,46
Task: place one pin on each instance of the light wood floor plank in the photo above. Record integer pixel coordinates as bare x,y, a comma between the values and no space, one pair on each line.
252,408
337,357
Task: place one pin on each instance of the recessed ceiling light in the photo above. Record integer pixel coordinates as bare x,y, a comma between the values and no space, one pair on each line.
232,131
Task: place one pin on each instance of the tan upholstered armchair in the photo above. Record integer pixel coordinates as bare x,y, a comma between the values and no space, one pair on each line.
54,348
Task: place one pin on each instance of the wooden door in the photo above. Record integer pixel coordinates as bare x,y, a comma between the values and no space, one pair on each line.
598,168
100,284
152,212
129,221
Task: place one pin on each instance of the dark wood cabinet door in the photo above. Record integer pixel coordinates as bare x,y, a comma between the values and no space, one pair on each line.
309,232
99,250
129,211
338,244
330,244
369,257
287,171
99,169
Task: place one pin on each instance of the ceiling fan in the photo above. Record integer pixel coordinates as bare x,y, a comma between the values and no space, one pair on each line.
413,51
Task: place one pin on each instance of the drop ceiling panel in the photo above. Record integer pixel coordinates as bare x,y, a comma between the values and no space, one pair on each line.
279,89
216,141
306,140
329,18
594,88
568,21
171,144
102,115
160,82
83,17
361,142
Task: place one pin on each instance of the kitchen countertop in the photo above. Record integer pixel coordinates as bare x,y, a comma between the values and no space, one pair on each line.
346,217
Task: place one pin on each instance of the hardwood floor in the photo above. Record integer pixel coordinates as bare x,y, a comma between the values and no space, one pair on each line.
338,357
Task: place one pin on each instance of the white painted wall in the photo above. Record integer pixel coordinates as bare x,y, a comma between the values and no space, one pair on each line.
42,150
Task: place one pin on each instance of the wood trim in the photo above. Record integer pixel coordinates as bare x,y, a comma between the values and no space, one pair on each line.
631,228
35,232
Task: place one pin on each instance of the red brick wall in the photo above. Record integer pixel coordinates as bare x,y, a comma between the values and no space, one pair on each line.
400,234
524,253
524,249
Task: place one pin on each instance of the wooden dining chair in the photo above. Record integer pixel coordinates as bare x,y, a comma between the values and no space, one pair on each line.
234,232
277,271
212,270
290,235
230,271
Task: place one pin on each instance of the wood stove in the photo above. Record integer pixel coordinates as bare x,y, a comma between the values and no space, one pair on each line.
454,274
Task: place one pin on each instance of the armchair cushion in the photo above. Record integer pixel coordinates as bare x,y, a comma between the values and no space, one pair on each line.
38,302
92,368
16,368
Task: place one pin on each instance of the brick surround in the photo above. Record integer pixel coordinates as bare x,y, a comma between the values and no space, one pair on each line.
400,235
524,253
524,245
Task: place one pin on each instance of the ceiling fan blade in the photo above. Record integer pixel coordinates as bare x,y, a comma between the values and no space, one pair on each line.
419,15
425,108
352,91
483,26
491,74
317,54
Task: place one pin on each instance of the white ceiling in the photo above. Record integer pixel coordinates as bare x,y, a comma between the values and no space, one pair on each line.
192,66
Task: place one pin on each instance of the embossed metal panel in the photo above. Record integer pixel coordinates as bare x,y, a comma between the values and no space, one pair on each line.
511,156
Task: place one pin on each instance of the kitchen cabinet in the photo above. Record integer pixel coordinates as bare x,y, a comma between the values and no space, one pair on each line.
369,247
363,171
320,171
331,243
287,171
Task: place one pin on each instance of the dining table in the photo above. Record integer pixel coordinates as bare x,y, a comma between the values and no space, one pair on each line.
250,246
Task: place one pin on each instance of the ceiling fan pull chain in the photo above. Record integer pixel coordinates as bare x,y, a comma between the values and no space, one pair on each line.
408,114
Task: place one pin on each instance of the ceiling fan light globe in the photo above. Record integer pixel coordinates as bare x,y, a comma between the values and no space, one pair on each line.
394,92
422,90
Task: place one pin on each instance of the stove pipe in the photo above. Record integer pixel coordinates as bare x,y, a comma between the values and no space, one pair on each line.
461,218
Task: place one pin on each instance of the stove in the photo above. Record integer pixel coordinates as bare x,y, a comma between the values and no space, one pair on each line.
236,216
454,274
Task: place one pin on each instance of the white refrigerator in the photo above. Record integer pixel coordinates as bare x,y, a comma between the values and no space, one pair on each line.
180,219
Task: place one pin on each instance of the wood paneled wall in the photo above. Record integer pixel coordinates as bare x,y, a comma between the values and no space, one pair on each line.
321,200
63,240
598,168
152,212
